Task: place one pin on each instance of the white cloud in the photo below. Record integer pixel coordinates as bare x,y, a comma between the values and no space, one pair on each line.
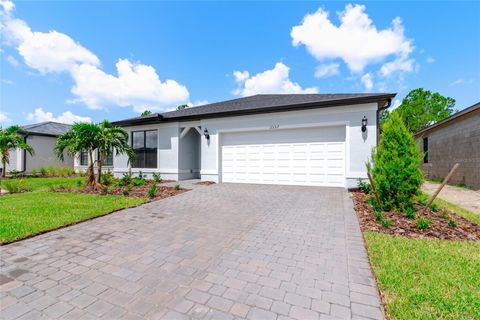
7,6
14,62
39,115
430,60
400,64
356,40
9,82
46,51
4,117
275,80
136,85
327,70
457,82
367,81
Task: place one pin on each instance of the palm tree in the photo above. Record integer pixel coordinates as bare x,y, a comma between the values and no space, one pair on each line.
10,138
81,137
112,138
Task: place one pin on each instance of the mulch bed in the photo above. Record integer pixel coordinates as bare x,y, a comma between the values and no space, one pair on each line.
205,183
136,191
400,225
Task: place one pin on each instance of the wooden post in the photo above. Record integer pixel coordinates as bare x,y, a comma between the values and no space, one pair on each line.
449,175
373,188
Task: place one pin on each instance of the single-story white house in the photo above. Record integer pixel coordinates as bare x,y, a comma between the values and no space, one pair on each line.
290,139
42,138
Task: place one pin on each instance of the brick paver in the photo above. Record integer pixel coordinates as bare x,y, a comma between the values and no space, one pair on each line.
224,251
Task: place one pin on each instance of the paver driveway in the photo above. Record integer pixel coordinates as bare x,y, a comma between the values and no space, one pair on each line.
222,251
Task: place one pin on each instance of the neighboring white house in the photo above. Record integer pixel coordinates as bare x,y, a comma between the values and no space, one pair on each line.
291,139
41,137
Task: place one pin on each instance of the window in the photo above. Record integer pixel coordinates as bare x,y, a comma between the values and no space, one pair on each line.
83,158
144,143
425,150
108,161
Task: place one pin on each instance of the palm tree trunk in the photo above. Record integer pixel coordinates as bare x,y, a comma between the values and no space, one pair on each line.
4,171
90,173
99,169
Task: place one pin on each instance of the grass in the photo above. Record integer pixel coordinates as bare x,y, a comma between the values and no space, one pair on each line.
26,214
475,218
426,279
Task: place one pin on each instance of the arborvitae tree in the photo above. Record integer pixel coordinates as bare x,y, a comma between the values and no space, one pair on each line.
396,171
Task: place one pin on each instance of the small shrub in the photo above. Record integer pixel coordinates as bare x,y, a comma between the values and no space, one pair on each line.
70,171
14,185
152,192
422,199
443,215
81,173
156,177
126,192
396,172
433,207
410,213
14,174
79,183
386,223
105,190
107,178
33,172
364,186
452,223
138,182
177,187
43,171
51,171
62,172
380,218
423,223
126,178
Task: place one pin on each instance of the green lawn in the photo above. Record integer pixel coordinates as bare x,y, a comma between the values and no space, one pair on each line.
427,279
26,214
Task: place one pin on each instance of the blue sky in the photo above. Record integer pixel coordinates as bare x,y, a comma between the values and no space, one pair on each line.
73,60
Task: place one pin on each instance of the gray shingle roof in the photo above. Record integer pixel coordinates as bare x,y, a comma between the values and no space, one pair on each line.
47,128
262,103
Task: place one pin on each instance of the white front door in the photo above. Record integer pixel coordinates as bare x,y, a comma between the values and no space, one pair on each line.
307,156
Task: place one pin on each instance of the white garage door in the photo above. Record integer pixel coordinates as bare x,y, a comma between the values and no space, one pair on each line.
310,156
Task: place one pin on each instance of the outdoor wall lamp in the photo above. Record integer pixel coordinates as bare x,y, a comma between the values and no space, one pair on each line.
206,134
364,124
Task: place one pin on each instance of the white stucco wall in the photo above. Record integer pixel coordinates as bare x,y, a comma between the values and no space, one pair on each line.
358,144
189,155
168,151
44,155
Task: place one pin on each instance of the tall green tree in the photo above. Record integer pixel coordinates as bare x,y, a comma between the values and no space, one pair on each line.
396,171
11,138
146,113
183,106
81,137
421,108
112,138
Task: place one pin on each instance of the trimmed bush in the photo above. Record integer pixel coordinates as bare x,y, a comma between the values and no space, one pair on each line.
396,171
43,171
14,185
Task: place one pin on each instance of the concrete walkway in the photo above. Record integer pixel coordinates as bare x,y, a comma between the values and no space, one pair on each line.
216,252
465,198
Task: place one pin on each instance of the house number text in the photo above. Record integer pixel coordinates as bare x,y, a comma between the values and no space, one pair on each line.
274,126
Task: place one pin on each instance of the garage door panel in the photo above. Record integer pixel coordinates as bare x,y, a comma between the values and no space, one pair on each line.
296,162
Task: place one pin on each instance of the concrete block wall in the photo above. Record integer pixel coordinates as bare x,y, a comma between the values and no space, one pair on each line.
457,141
